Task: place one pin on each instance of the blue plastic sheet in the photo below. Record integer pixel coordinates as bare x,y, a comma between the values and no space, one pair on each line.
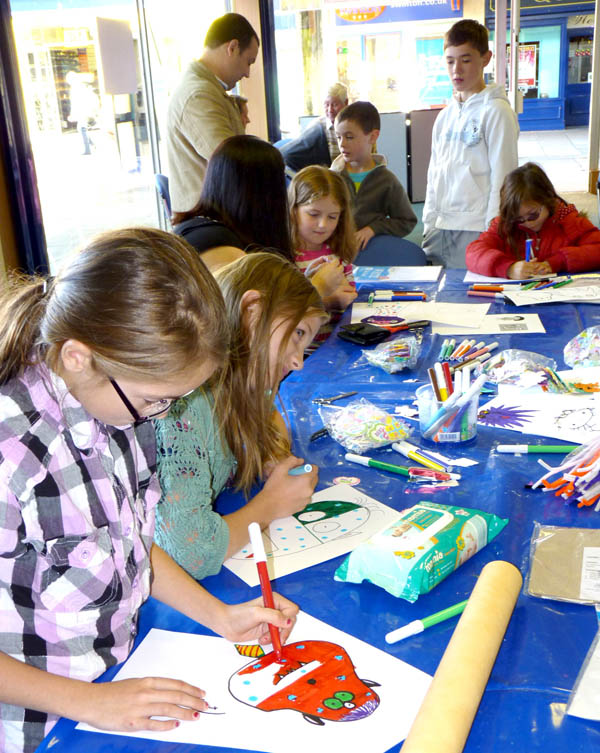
546,641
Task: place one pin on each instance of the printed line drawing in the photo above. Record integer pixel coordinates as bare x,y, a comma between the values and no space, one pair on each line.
315,678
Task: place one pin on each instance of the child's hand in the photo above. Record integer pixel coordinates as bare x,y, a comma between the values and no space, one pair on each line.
341,298
250,620
523,270
128,705
363,236
328,277
289,494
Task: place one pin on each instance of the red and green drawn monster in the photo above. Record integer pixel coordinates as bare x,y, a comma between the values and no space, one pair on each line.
315,678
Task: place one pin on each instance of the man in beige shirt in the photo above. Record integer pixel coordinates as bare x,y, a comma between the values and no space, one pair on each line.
201,113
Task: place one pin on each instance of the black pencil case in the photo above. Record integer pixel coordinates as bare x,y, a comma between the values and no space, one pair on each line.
363,333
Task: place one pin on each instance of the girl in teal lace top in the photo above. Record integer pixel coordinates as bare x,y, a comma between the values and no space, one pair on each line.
232,429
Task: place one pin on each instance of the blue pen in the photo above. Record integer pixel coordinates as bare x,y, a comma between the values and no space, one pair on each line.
547,285
300,469
528,244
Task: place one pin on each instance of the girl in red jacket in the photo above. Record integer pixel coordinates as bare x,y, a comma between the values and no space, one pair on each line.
562,239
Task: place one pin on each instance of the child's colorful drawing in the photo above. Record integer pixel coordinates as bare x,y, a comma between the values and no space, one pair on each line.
571,417
315,678
504,416
322,681
336,520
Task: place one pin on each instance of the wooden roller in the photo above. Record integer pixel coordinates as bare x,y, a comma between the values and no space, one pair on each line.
447,712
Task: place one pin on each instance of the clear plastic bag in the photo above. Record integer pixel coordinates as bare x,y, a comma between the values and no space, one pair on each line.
400,353
521,368
584,348
361,425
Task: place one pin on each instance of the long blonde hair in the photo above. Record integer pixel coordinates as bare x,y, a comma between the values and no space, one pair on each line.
317,182
245,397
139,298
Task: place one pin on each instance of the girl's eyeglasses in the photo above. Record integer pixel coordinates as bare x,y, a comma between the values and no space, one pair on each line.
531,217
153,410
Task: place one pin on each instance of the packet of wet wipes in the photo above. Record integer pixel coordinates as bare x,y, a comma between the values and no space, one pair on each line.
427,543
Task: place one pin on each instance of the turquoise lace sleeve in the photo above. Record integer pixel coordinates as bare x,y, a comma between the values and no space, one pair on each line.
193,468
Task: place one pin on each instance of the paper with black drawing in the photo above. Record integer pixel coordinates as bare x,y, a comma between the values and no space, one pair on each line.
210,662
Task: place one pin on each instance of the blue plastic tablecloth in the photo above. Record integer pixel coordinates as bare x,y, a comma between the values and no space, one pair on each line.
523,707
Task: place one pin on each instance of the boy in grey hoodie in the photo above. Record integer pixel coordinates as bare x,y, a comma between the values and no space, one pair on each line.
379,202
474,146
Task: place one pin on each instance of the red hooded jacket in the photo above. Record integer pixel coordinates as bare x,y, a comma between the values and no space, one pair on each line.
567,241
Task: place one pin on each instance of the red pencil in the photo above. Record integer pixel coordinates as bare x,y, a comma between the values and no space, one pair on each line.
258,549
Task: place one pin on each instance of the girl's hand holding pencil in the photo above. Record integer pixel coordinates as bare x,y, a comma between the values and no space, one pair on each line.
327,276
525,270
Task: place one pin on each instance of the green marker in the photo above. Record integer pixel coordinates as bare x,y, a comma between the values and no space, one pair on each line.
362,460
417,626
564,282
529,285
523,449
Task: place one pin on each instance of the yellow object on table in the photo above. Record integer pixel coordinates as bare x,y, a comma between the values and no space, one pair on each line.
447,712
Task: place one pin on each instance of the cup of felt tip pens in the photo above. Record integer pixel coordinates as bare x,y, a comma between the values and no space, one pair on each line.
448,405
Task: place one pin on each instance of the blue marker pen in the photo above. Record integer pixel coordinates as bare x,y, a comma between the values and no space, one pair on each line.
528,244
300,469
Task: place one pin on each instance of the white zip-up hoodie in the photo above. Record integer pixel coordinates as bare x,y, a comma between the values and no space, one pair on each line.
474,147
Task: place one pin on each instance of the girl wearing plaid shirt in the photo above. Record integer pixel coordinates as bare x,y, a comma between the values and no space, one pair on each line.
134,322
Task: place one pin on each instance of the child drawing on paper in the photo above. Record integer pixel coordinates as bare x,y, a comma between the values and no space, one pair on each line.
315,678
231,431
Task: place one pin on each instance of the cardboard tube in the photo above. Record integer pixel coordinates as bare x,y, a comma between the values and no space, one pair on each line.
448,709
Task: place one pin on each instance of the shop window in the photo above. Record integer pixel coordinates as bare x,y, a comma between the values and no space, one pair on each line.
580,59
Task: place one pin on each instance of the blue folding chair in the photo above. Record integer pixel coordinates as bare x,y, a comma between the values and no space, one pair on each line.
391,251
162,186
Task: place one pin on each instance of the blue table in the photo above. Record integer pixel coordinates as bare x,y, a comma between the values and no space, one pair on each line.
546,641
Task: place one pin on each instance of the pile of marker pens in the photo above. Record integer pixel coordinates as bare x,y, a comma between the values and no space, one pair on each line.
399,295
577,478
453,397
466,353
497,291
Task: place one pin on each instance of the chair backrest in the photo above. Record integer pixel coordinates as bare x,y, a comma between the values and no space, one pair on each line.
391,251
162,186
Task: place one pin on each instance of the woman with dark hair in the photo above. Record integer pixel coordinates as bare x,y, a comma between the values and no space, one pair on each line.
243,204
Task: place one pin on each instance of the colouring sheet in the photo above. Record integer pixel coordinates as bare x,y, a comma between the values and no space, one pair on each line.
456,314
576,292
337,520
573,418
495,324
396,274
325,677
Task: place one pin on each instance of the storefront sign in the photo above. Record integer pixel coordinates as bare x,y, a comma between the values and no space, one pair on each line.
401,10
580,22
537,6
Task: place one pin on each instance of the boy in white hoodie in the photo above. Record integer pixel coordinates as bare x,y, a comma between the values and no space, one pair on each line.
474,146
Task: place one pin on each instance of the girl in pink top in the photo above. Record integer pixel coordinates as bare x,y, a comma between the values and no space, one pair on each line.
562,239
323,239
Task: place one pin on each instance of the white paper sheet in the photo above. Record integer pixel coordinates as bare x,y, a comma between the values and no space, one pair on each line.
495,324
475,278
573,418
584,701
568,294
397,274
456,314
209,663
316,535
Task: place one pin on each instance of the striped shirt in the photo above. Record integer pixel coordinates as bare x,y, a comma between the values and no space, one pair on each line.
303,259
76,528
